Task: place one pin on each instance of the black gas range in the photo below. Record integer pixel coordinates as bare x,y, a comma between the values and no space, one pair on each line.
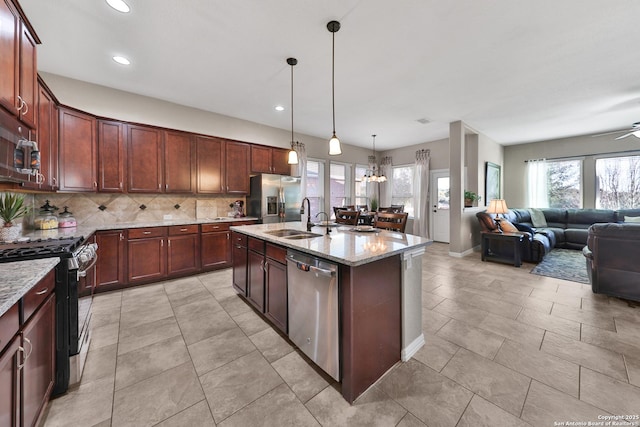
73,309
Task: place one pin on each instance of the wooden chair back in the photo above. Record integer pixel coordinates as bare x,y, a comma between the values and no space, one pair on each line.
347,217
392,221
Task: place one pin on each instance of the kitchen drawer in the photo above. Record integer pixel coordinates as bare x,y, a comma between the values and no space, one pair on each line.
277,253
241,223
256,245
177,230
239,239
209,228
143,233
36,295
9,324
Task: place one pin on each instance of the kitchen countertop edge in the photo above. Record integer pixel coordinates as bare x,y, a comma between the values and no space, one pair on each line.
19,277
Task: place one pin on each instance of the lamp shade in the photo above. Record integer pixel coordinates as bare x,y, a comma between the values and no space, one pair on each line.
293,157
497,206
334,146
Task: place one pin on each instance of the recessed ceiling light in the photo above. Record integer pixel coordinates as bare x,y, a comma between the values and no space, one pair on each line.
279,108
121,60
119,5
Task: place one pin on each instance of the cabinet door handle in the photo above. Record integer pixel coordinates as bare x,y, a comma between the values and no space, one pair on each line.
26,108
215,227
227,236
21,364
42,292
146,232
121,236
19,107
266,267
121,186
169,242
30,348
95,183
161,243
183,230
166,186
55,180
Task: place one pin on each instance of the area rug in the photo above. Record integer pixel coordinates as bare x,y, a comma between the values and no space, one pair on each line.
566,264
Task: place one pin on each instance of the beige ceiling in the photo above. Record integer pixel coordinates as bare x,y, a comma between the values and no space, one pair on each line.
515,70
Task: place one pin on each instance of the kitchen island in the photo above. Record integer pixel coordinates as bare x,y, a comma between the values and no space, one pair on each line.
379,314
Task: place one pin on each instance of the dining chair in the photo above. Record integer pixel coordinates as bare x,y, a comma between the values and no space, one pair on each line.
392,221
347,217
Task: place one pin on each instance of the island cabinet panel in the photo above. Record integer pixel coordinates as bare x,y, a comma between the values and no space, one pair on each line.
210,155
47,138
276,286
147,254
237,167
111,161
255,273
371,323
10,383
183,256
77,151
179,155
144,159
39,367
239,261
215,246
110,268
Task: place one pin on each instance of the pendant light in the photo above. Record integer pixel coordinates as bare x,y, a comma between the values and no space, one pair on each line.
371,175
293,155
334,142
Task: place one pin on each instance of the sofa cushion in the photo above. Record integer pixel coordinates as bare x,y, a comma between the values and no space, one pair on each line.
507,226
556,218
575,238
537,218
583,218
525,227
632,219
621,213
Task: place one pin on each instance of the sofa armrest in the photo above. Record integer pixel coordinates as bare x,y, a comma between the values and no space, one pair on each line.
587,253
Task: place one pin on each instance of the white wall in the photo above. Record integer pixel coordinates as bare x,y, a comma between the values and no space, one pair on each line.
587,147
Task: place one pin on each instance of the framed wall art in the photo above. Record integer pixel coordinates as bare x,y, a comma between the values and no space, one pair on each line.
491,182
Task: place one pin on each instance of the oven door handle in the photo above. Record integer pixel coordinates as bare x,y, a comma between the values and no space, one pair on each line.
83,272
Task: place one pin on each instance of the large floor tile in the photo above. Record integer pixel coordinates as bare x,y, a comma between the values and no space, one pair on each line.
593,318
568,328
237,384
633,370
304,379
149,333
251,323
197,415
613,341
202,306
145,314
482,413
188,296
185,284
500,385
432,321
374,408
590,356
219,350
491,304
100,363
151,360
546,368
409,420
155,399
604,392
529,336
436,351
234,305
545,406
525,301
461,312
475,339
196,329
271,344
279,407
104,335
430,300
87,405
427,394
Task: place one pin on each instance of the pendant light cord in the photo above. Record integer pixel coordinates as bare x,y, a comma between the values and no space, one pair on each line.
333,77
292,106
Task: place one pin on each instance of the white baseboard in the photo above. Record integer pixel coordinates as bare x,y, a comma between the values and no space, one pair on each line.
408,352
465,253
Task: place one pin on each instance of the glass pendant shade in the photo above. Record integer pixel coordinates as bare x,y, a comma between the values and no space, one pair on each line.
293,157
334,146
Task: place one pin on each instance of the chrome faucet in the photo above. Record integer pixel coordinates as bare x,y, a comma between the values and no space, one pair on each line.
326,216
309,225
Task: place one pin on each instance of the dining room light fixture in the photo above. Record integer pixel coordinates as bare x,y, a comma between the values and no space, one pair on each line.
293,155
371,175
121,60
119,5
334,142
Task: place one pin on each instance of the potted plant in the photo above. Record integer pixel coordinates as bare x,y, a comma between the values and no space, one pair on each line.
12,207
469,198
374,204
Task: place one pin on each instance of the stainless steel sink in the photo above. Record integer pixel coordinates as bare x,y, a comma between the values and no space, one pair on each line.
303,236
290,233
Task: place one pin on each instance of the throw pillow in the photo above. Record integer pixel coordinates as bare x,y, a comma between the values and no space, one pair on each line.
524,227
507,227
632,219
537,218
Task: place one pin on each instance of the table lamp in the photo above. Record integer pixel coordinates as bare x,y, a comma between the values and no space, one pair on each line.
497,207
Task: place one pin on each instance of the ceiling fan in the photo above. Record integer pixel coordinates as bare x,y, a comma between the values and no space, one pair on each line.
635,131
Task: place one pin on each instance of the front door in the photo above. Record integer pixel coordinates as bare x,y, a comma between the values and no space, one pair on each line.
440,205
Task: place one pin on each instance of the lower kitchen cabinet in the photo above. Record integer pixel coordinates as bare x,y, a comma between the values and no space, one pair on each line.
276,286
215,246
255,279
240,253
10,384
183,252
147,254
110,268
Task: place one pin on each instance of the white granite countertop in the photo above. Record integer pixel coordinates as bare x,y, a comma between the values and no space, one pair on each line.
19,277
342,245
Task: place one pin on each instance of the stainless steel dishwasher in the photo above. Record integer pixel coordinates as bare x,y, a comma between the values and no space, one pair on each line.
313,309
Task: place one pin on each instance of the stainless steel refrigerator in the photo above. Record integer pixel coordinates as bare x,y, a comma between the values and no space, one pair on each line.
275,198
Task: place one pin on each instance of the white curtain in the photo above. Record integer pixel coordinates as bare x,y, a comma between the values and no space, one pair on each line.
386,169
421,194
536,190
301,168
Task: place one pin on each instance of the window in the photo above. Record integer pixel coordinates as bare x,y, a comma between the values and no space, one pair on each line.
618,185
564,183
402,187
361,186
340,192
315,186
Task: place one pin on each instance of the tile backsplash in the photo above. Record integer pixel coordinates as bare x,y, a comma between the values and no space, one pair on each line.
119,208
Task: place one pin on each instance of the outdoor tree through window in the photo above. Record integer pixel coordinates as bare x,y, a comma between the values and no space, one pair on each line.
564,178
618,183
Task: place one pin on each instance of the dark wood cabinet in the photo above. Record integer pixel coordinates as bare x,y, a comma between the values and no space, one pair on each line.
183,255
237,167
215,246
210,163
28,72
269,160
179,150
38,372
147,254
111,162
77,151
239,260
276,286
255,273
47,138
110,268
10,384
145,160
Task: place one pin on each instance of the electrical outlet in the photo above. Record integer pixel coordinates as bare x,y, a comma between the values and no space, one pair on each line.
167,217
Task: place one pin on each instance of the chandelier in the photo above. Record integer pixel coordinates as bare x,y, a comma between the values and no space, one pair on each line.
374,174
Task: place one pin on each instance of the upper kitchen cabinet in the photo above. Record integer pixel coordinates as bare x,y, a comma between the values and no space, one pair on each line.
47,138
144,159
77,151
110,156
210,165
237,167
269,160
18,66
180,173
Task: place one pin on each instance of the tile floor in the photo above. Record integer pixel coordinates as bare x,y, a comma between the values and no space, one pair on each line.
515,351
